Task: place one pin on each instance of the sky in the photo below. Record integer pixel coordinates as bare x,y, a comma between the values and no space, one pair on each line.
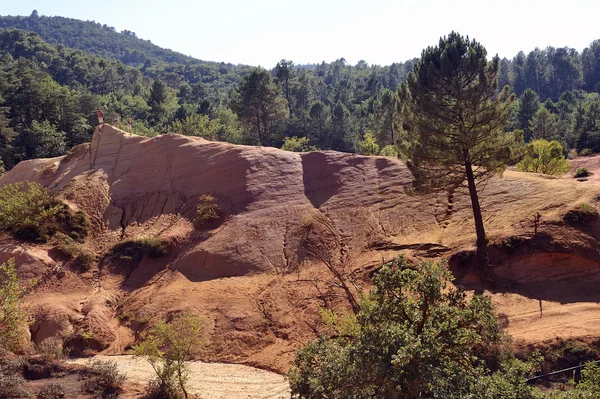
262,32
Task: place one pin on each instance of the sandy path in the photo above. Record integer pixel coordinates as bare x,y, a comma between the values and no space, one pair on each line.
211,380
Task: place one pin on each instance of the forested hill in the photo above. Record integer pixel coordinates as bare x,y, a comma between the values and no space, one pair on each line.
96,38
331,105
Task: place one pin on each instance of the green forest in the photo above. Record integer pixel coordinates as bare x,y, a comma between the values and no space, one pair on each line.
55,72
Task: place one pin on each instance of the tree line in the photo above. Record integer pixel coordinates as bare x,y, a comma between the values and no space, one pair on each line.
51,90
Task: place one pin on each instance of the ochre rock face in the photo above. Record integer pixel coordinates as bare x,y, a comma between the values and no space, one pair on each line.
247,274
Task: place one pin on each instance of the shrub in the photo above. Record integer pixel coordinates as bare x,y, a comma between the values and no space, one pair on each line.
168,347
12,317
297,144
133,249
389,151
368,146
53,390
83,259
107,381
545,157
586,152
28,211
582,214
208,209
12,383
581,172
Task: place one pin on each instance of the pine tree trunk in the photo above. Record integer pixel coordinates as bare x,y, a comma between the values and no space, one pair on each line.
481,239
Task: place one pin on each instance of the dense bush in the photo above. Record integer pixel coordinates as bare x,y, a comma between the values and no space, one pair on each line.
131,251
581,172
586,152
415,336
52,390
106,381
12,383
208,209
297,144
28,210
582,214
545,157
389,151
12,317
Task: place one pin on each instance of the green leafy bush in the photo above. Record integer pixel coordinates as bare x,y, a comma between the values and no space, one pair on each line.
581,172
586,152
368,146
28,210
133,250
582,214
52,390
208,209
31,213
106,381
545,157
12,317
415,336
297,144
389,151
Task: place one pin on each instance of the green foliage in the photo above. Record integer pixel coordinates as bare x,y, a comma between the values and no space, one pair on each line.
368,146
581,172
586,152
510,382
545,157
52,390
196,125
168,347
297,144
28,210
106,381
12,317
582,214
258,104
208,209
453,83
414,336
131,251
389,151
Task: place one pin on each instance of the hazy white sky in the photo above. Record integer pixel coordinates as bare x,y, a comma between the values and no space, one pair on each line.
261,32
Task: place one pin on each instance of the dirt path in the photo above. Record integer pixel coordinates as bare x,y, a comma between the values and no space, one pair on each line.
211,380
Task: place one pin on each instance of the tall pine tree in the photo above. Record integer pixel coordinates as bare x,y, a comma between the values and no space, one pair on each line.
454,120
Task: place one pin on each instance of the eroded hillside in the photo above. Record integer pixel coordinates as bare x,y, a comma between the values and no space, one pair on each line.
248,275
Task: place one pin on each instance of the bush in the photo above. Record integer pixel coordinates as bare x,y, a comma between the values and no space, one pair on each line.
582,214
545,157
13,320
53,390
389,151
107,381
208,210
368,146
132,249
297,144
581,172
28,211
168,347
586,152
85,260
12,383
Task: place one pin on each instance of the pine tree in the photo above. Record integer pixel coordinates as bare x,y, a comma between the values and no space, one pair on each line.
453,120
258,104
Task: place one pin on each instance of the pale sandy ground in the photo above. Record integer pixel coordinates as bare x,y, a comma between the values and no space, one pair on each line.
210,380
